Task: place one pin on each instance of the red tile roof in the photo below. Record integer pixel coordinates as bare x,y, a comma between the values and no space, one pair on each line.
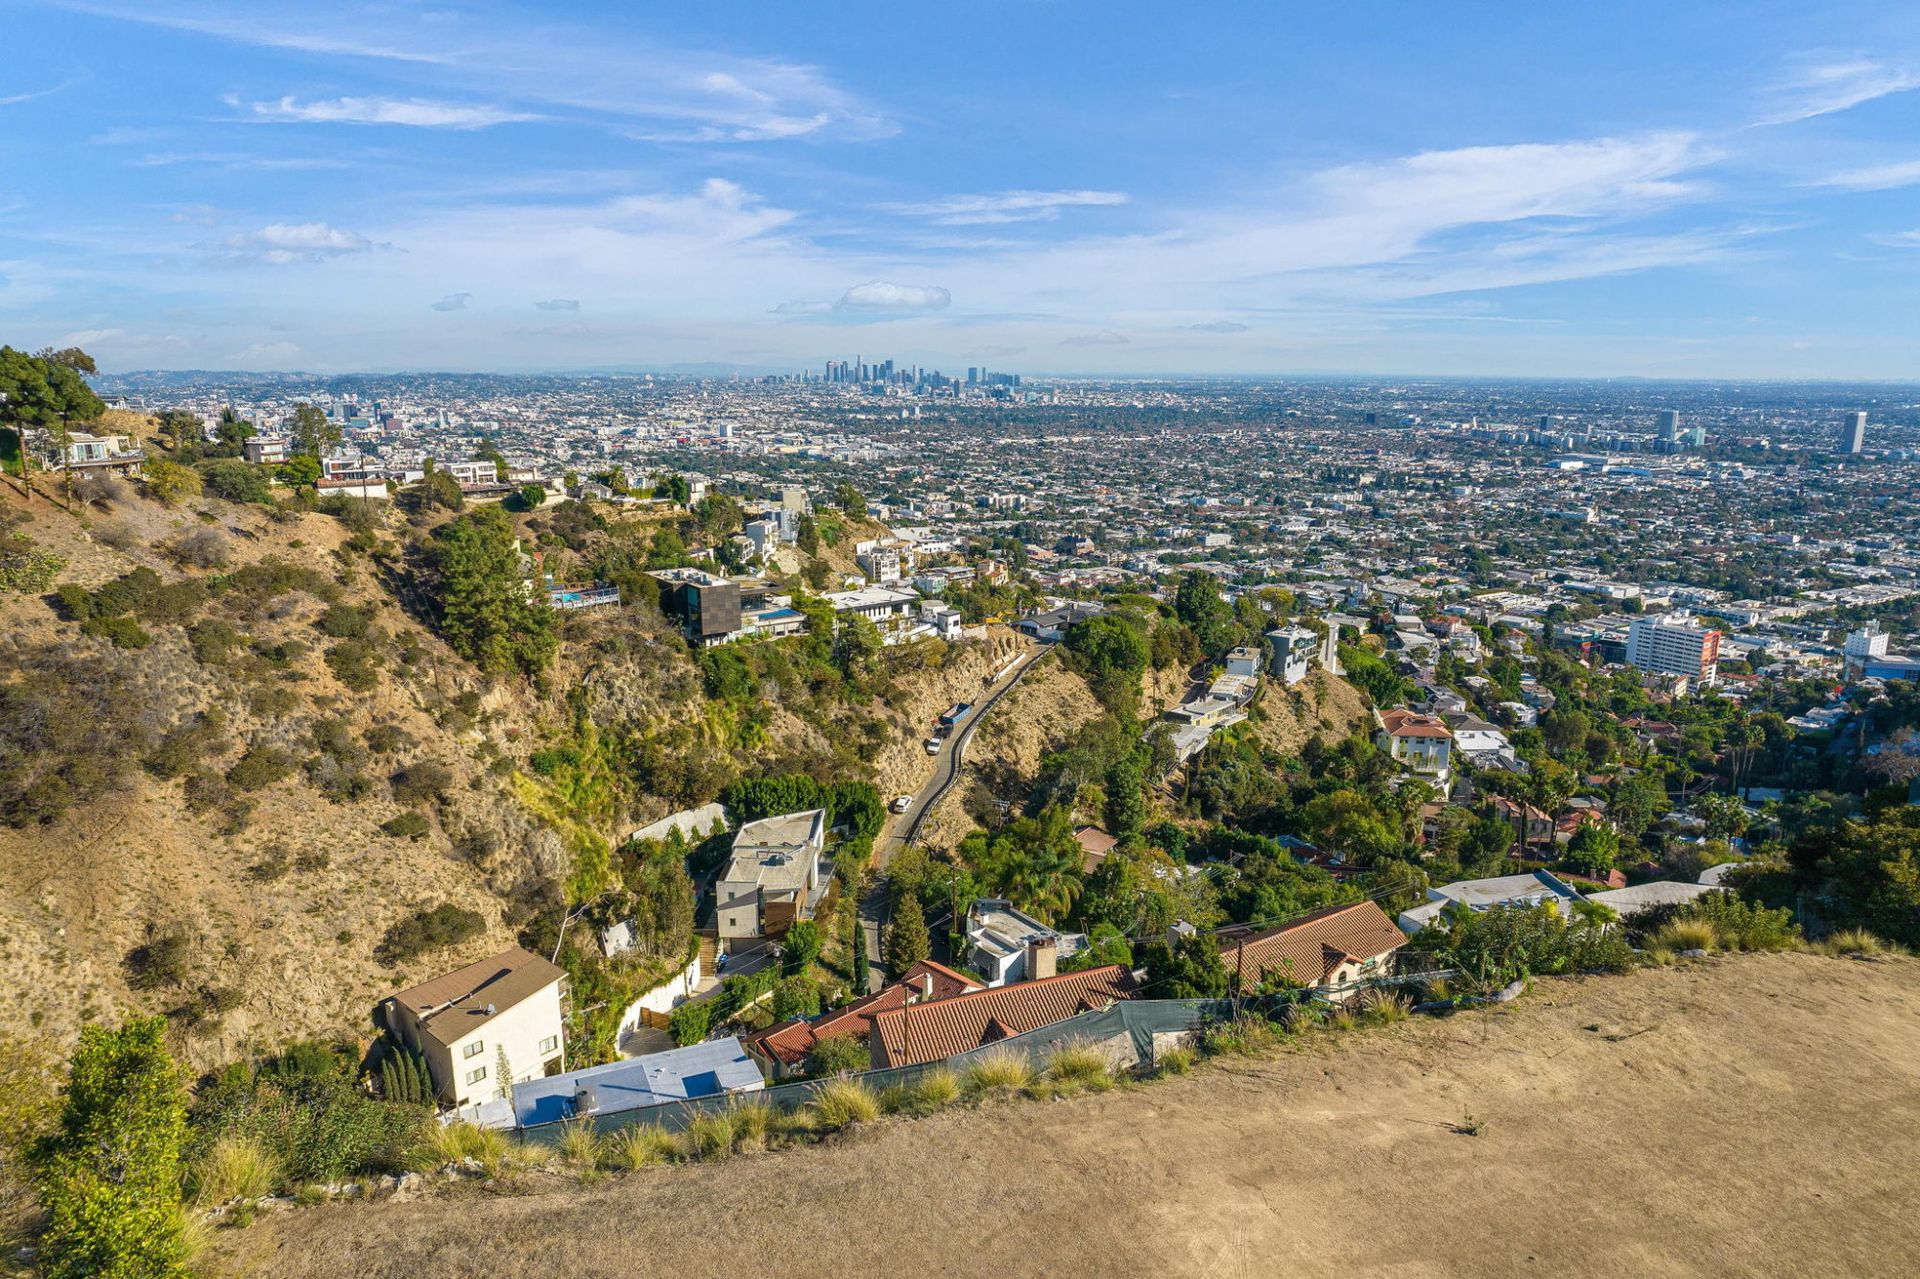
1307,950
1400,722
789,1042
942,1027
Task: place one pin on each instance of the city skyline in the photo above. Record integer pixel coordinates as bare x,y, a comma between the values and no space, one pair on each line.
1482,192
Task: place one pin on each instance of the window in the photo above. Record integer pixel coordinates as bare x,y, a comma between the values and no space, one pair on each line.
474,1049
551,1044
475,1076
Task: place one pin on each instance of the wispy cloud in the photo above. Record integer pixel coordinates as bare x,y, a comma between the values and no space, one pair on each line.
1822,88
14,99
283,242
1899,239
559,304
644,89
879,295
1875,177
453,302
238,160
419,113
1214,326
1105,337
1005,206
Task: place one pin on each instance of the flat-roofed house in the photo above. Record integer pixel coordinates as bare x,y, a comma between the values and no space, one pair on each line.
773,878
463,1022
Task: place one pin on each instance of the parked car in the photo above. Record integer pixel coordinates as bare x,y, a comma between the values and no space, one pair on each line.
902,804
933,745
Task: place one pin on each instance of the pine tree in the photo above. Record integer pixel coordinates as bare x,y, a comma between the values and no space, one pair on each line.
906,942
862,982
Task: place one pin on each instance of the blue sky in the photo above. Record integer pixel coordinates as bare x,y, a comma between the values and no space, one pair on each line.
1665,190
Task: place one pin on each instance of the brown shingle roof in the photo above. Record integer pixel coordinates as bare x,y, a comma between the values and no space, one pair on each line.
791,1041
942,1027
1306,950
501,981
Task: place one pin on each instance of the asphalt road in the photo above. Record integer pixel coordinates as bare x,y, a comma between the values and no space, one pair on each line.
901,828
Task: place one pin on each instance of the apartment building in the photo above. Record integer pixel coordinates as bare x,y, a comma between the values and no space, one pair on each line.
1674,645
485,1027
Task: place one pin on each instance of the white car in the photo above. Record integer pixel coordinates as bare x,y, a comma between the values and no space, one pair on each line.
902,804
933,745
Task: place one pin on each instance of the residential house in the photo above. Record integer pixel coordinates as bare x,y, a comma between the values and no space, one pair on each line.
889,609
1537,888
508,1006
773,878
940,1028
710,1069
1330,948
1538,823
267,450
1049,626
783,1049
109,454
1095,844
1292,649
1628,902
1006,945
1422,743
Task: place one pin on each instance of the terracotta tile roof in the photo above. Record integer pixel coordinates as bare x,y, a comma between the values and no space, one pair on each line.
1307,950
789,1042
1400,722
942,1027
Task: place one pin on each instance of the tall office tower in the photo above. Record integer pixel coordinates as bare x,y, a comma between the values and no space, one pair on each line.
1853,432
1672,644
973,375
1667,426
1697,437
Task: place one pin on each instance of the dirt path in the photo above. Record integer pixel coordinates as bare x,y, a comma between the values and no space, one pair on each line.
1752,1117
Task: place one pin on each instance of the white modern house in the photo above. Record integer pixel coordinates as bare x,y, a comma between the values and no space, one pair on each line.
505,1010
773,878
1535,889
1006,945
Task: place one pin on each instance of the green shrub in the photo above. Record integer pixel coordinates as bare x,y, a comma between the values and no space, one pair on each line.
407,826
236,481
123,632
260,767
356,664
580,1145
796,997
343,621
690,1022
428,930
161,961
838,1055
212,641
1177,1060
1244,1035
424,782
710,1135
109,1176
1685,934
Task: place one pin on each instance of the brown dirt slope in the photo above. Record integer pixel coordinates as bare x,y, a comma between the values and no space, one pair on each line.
1750,1116
1322,705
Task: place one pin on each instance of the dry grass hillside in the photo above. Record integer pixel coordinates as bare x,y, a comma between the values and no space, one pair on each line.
1321,706
1749,1116
223,788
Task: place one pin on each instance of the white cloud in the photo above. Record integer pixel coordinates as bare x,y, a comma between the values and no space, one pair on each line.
1105,337
14,99
271,354
568,331
453,302
89,337
1876,177
559,304
663,93
1899,239
419,113
1214,326
1005,206
878,295
282,242
1822,88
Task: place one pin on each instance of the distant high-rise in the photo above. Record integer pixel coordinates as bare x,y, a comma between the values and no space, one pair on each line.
1853,432
1667,427
1671,644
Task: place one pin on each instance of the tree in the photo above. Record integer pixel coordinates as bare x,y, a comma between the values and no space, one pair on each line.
170,482
802,945
485,611
672,486
1033,862
1593,850
849,499
233,432
906,942
182,432
312,431
1637,803
1198,604
1105,945
109,1176
1190,968
857,949
235,481
502,1070
301,471
532,496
